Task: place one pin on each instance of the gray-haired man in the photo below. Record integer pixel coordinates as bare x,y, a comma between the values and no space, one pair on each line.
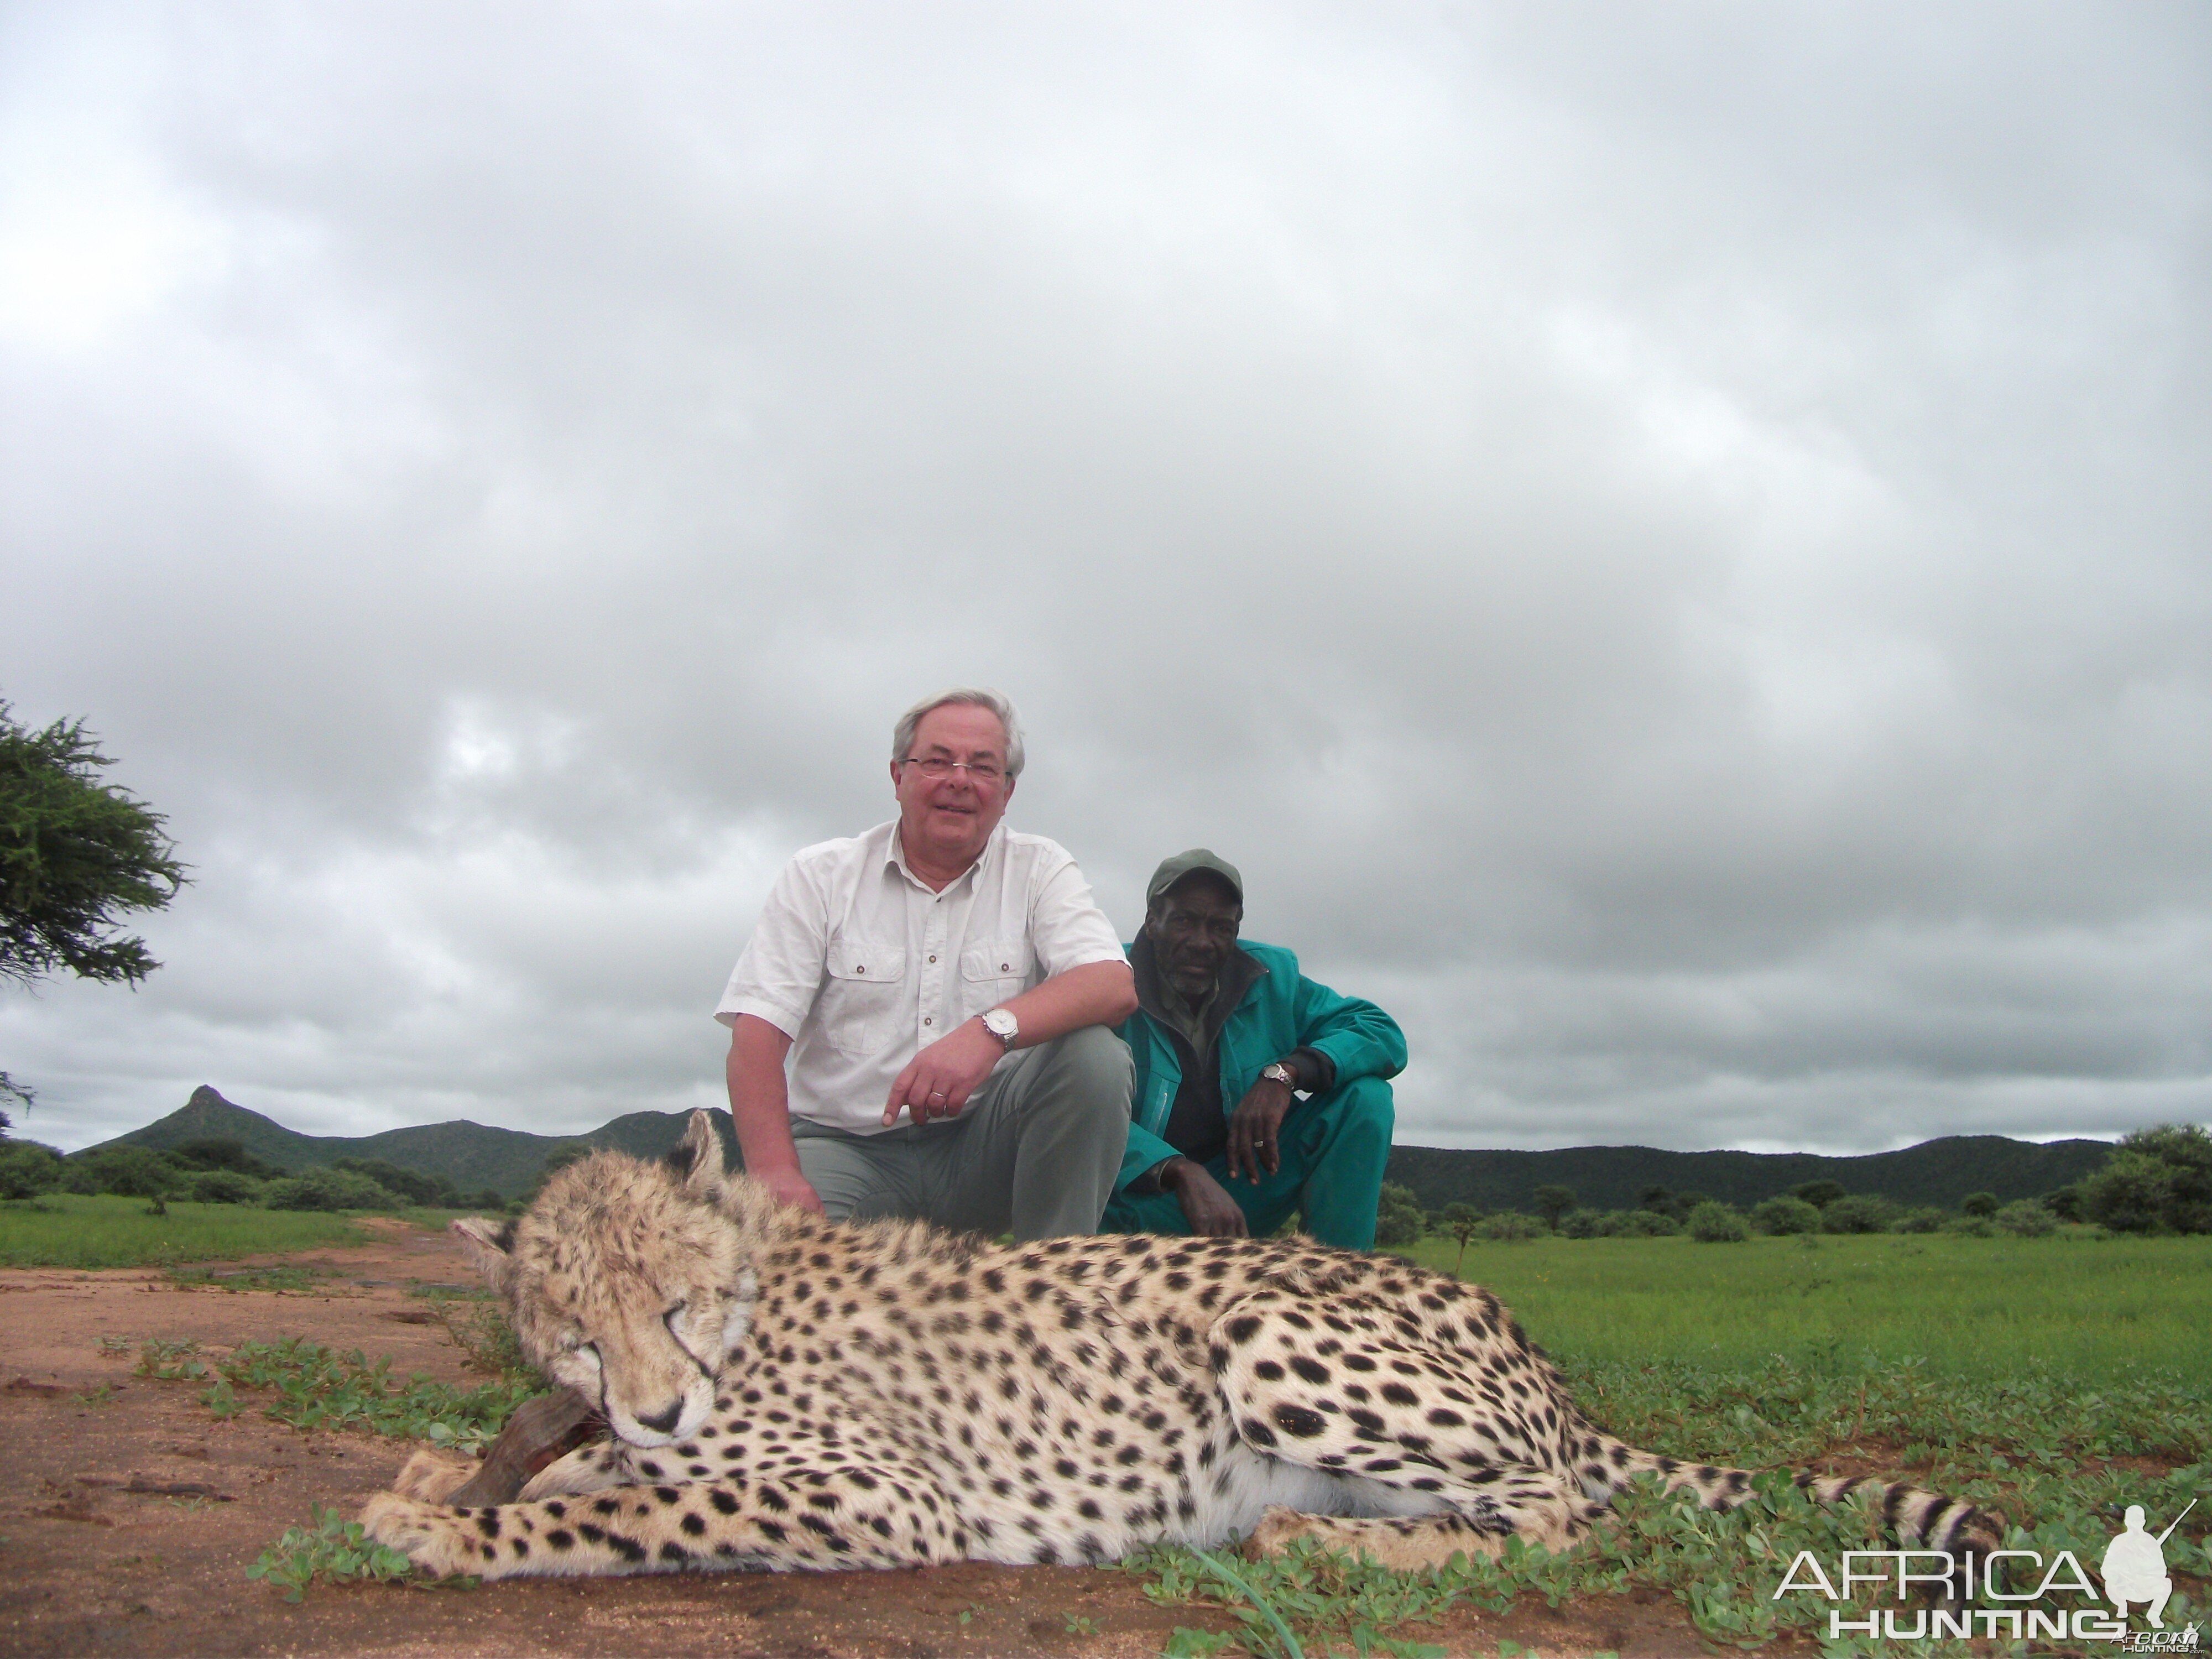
945,968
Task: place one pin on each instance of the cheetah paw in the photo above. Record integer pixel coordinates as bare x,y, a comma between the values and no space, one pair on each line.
425,1534
431,1476
1277,1527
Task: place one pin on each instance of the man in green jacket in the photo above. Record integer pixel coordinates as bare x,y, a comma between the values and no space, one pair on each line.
1226,1037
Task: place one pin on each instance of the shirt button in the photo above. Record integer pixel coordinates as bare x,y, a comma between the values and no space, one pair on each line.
858,969
933,958
927,1020
1006,967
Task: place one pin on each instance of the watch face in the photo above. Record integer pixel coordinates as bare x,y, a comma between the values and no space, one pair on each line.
1002,1024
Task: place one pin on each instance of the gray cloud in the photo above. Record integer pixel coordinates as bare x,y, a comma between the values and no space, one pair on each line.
1669,546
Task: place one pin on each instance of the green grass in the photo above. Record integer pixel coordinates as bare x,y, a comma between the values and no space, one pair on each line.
284,1278
2069,1304
67,1229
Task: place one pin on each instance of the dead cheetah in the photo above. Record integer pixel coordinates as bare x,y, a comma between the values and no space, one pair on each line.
786,1392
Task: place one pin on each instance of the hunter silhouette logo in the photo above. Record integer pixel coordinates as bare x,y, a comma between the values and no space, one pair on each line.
2134,1571
2134,1568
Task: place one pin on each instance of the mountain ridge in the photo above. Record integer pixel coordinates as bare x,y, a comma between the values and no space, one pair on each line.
475,1156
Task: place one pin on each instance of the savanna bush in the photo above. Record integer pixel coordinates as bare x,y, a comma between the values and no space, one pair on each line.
224,1187
1582,1223
330,1189
1511,1227
2025,1217
1971,1226
1785,1215
1861,1213
1399,1218
412,1185
2159,1180
28,1168
1926,1220
1643,1223
1715,1223
131,1171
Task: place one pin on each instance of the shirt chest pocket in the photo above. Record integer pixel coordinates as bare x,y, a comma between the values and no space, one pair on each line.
863,993
992,971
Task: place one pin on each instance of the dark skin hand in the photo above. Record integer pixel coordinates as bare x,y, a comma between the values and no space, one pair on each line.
1253,1127
1193,931
1211,1212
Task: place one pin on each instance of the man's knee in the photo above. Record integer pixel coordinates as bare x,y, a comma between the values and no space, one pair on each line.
1365,1109
1095,1061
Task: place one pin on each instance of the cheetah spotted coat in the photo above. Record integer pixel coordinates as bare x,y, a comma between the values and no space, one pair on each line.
788,1392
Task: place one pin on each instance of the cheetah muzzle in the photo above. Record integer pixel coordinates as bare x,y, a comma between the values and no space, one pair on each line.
786,1392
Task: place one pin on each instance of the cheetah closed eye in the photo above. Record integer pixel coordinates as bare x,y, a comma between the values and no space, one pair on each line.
788,1392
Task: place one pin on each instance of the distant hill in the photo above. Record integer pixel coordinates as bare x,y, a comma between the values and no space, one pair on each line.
469,1155
473,1157
1938,1172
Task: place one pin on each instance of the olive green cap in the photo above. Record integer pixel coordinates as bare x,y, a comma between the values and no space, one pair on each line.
1173,869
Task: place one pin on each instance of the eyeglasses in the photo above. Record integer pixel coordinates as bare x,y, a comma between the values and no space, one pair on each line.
937,769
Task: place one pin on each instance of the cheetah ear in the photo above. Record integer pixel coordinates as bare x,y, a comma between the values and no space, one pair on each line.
484,1244
697,1158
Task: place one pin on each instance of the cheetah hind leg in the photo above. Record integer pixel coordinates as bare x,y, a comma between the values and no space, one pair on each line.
1527,1506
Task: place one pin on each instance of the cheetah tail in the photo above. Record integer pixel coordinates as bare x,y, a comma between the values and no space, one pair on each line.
1919,1519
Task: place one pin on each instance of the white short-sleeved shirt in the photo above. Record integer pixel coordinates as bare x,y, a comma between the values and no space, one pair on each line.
862,966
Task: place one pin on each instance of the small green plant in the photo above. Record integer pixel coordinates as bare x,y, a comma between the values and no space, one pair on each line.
1078,1625
317,1389
1189,1643
102,1395
479,1327
334,1550
284,1278
170,1362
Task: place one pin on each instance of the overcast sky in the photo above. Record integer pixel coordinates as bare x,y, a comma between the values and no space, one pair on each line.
1669,543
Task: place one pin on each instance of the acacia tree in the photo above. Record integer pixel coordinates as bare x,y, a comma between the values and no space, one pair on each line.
76,855
1552,1202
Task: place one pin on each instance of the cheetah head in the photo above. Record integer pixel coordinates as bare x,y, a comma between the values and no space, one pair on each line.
628,1282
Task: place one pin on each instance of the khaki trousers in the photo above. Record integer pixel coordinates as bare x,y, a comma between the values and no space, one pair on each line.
1035,1153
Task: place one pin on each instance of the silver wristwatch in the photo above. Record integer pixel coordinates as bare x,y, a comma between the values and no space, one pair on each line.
1283,1074
1002,1025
